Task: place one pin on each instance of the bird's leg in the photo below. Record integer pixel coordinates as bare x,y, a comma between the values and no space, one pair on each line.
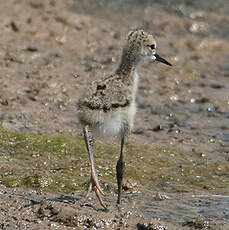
94,183
120,168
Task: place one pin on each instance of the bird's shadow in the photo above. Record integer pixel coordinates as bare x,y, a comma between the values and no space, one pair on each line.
61,198
66,200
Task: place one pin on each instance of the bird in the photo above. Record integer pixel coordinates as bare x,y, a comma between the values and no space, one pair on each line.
108,106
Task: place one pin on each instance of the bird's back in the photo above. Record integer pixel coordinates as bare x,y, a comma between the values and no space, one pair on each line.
108,105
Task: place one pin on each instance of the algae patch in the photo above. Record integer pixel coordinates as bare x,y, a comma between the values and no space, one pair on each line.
60,164
55,164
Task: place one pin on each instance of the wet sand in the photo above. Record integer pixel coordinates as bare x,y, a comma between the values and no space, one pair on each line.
50,51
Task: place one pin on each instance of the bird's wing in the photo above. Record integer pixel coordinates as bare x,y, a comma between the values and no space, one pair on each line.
107,94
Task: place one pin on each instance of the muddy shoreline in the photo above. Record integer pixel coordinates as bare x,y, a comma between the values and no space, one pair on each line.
50,50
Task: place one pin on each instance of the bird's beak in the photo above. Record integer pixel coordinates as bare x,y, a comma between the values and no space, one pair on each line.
160,59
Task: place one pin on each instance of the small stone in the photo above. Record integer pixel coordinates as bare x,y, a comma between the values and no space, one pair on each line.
157,128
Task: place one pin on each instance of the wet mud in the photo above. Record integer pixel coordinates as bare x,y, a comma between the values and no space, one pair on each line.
177,156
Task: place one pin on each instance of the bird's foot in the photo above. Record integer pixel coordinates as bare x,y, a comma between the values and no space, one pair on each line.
94,186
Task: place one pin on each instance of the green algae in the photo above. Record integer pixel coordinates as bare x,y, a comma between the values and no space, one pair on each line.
177,171
60,164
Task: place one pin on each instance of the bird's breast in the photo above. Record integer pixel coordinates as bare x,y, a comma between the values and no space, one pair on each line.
114,123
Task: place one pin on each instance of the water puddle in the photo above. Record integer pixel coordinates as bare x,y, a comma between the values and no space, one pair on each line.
178,208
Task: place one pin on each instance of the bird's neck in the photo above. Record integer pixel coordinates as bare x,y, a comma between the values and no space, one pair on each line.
129,61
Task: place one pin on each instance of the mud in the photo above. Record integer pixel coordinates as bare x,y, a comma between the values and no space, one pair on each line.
21,209
50,50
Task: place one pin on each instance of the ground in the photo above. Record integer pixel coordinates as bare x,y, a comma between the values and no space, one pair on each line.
49,52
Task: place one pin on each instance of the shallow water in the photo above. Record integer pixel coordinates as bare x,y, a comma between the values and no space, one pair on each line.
178,208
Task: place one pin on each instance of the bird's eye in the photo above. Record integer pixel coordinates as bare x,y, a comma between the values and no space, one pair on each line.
152,46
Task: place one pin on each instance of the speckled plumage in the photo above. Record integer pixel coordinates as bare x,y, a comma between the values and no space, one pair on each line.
113,97
108,106
108,101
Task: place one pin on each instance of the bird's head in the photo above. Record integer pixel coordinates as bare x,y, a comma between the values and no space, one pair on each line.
145,45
